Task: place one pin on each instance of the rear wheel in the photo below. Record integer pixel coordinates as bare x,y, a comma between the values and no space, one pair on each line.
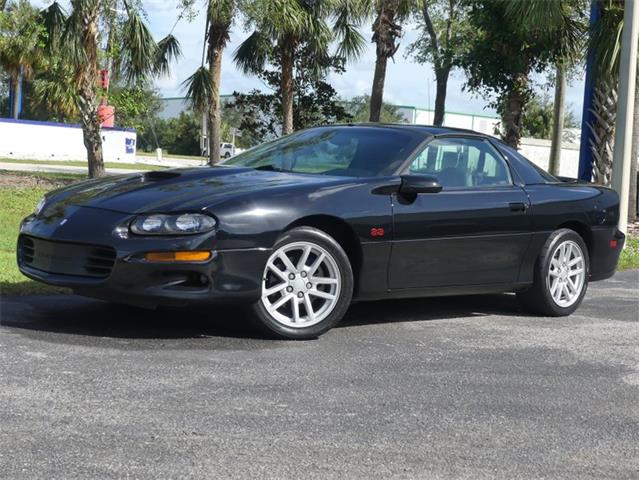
561,275
307,285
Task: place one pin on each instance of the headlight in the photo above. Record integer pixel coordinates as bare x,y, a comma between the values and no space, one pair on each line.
40,206
185,223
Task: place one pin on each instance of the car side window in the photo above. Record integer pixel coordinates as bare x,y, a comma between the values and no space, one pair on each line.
462,163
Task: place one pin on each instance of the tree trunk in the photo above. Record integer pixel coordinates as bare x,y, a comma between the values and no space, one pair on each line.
635,154
377,89
87,77
513,117
605,100
286,84
385,35
442,77
558,121
15,98
215,67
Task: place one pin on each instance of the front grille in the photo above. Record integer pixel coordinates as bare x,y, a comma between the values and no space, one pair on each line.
66,258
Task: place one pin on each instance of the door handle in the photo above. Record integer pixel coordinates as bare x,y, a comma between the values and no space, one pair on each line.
518,207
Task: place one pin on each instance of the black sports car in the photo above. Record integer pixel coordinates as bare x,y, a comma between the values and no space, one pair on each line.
300,227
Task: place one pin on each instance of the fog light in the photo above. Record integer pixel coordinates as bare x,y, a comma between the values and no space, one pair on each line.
186,256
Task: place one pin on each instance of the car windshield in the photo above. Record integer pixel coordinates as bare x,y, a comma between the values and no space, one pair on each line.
346,151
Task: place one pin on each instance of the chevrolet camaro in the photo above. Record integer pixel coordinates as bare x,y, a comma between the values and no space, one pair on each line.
301,227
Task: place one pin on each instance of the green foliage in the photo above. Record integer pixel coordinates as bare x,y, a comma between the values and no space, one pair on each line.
505,52
178,136
134,105
537,118
21,38
199,89
606,38
315,103
629,256
358,109
444,32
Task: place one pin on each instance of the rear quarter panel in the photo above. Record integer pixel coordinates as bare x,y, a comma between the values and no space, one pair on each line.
592,210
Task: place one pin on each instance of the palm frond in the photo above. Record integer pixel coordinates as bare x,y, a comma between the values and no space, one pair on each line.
605,40
252,54
198,89
139,51
351,43
168,50
71,39
54,19
349,15
556,21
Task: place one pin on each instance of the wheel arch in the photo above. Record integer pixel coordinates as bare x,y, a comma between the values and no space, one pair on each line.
581,229
341,232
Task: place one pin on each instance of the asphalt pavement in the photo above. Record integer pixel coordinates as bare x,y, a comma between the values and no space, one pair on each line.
468,387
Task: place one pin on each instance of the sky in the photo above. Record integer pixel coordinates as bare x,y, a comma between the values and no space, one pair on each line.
407,82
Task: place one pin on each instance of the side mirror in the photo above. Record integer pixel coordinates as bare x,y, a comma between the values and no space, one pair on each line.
414,184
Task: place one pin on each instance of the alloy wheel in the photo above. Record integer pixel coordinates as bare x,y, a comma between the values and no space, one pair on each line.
301,284
566,275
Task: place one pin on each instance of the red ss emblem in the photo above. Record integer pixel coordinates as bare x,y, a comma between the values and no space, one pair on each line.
377,232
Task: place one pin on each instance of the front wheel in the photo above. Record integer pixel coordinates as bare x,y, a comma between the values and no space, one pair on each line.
561,275
307,285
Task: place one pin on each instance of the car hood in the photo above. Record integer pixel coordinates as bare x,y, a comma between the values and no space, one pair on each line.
178,189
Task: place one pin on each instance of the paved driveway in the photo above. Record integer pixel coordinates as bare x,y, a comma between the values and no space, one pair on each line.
437,388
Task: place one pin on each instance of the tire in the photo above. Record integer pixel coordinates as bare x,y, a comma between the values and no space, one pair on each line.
227,155
317,278
571,286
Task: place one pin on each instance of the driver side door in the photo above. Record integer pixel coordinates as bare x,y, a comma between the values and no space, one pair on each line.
474,232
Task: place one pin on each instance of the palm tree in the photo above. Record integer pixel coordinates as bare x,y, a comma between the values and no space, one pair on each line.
203,87
20,51
79,43
604,42
282,27
386,32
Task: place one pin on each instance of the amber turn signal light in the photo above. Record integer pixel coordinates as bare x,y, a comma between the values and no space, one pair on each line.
187,256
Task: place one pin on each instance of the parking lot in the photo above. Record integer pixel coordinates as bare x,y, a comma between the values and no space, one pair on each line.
432,388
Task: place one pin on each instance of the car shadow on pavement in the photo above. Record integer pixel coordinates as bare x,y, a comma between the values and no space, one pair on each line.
71,315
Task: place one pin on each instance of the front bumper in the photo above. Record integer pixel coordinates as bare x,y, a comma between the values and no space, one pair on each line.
230,275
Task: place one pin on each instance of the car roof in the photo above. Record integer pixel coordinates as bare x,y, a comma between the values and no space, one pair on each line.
427,130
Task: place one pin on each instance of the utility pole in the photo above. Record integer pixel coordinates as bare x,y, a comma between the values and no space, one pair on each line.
624,117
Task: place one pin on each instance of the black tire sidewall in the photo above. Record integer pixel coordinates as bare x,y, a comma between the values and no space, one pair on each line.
325,241
552,243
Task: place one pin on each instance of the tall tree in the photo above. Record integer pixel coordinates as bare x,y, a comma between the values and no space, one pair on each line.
21,45
387,29
81,44
203,87
500,59
316,102
604,42
563,25
283,29
444,33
